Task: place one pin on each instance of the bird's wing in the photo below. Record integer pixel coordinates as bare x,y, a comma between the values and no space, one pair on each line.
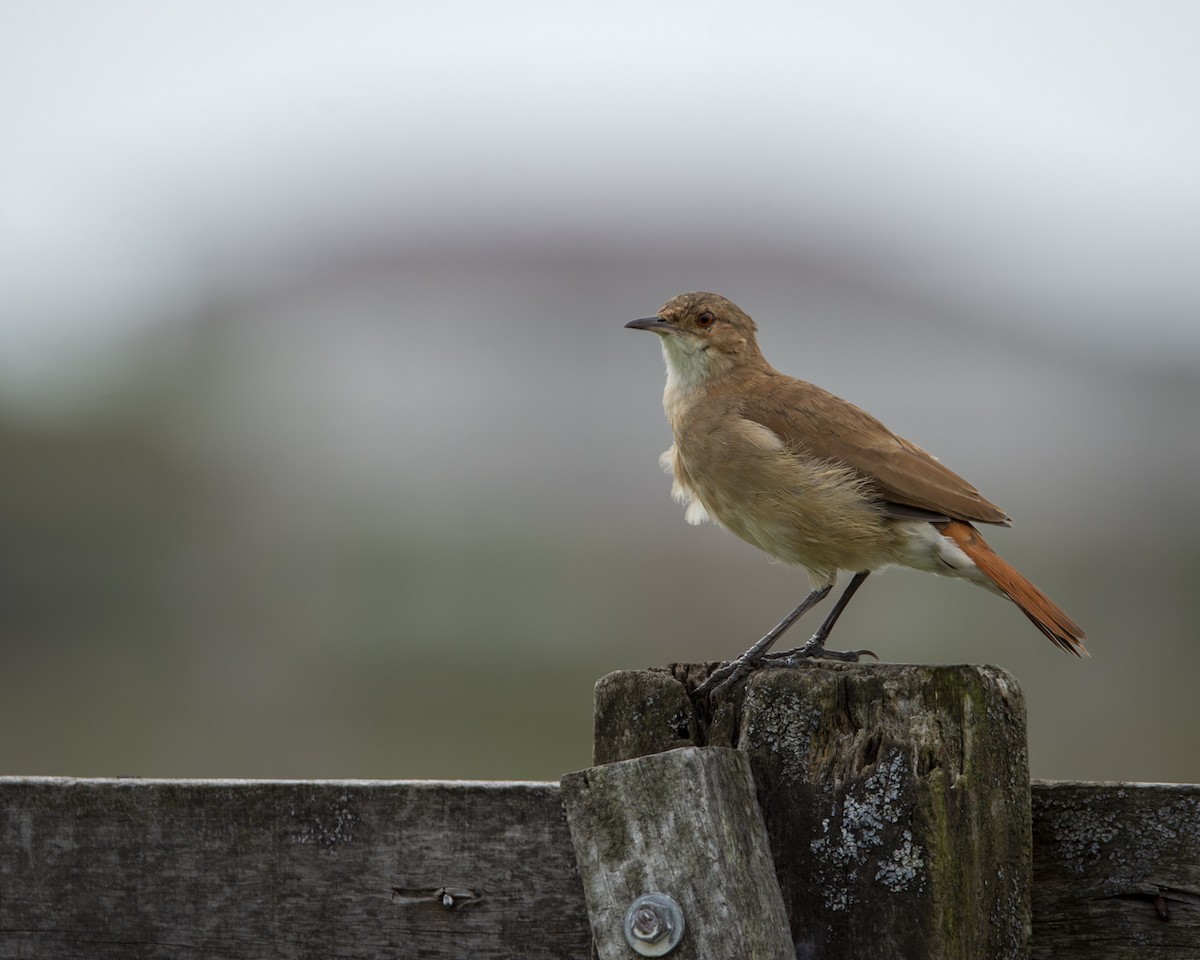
813,421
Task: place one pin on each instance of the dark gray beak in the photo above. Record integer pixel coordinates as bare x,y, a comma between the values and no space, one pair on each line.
655,324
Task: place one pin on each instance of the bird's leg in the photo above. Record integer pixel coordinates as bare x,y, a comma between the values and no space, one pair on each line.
815,647
731,672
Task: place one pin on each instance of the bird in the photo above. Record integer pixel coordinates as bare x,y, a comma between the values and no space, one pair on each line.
815,482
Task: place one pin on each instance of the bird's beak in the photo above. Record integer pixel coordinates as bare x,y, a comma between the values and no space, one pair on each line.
654,324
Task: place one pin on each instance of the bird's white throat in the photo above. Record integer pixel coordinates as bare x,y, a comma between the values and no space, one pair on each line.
689,367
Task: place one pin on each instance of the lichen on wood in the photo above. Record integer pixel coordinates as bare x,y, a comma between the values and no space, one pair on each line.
896,797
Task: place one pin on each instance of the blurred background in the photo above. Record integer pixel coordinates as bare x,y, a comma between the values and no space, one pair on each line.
323,452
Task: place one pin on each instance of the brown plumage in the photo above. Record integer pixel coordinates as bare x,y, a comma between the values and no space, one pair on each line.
812,479
825,426
1046,615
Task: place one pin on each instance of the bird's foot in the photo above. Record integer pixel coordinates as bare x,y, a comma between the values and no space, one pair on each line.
729,673
814,649
733,671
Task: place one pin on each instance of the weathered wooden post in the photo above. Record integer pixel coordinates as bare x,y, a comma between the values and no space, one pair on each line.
896,797
674,858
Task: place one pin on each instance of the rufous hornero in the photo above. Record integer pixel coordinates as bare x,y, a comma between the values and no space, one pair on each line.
814,481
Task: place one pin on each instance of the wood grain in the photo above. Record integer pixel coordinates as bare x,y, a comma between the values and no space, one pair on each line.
222,869
896,797
683,823
225,869
1116,870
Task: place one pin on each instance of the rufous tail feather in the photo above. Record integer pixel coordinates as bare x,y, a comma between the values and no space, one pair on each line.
1046,615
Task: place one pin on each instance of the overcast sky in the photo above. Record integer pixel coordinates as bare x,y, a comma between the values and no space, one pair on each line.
146,142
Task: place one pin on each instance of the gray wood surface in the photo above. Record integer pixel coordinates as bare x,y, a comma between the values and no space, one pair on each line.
683,823
1116,870
896,796
245,869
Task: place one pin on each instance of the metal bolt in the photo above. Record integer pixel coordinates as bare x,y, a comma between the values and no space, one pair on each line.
653,925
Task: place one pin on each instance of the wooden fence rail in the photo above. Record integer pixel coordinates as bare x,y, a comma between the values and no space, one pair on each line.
892,800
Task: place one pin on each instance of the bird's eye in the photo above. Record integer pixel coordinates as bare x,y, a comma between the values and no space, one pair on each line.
706,318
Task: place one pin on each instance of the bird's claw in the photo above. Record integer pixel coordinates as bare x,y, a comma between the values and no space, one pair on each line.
789,658
727,674
731,671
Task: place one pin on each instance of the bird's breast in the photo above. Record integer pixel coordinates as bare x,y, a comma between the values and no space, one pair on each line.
797,508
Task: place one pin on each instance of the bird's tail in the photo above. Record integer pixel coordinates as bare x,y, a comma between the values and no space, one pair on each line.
1046,615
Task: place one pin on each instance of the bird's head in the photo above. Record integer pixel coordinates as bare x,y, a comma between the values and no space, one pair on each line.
703,336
